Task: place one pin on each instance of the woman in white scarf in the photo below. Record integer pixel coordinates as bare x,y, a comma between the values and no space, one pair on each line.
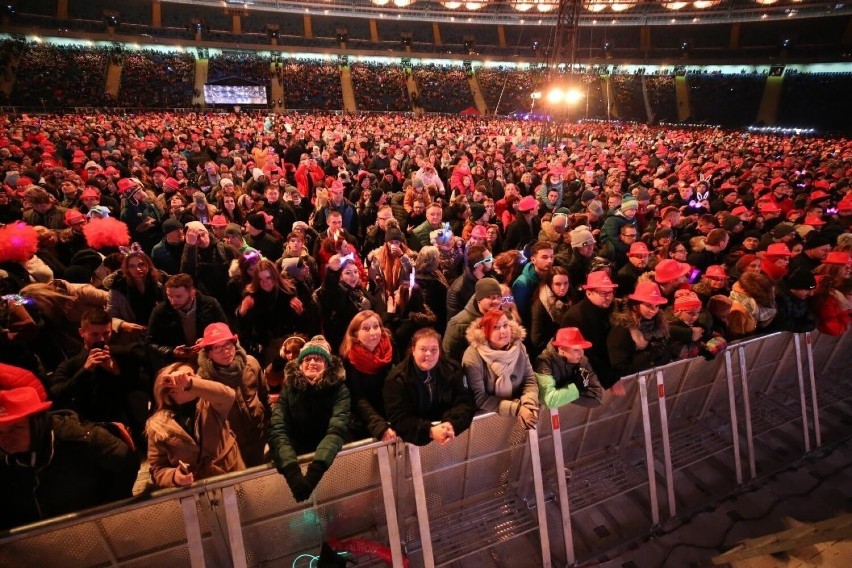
498,369
549,307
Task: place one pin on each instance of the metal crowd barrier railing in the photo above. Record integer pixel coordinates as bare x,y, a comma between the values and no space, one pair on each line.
685,433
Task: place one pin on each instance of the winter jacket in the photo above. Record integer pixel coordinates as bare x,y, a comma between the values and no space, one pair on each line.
625,355
165,331
460,291
128,303
74,465
481,379
410,416
454,342
310,417
794,314
612,227
166,256
543,326
209,266
523,289
249,415
368,407
561,382
211,450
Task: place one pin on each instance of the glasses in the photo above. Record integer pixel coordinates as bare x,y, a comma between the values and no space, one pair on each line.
628,235
314,359
225,347
487,260
604,293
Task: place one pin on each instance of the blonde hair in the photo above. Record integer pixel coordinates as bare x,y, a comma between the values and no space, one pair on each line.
155,427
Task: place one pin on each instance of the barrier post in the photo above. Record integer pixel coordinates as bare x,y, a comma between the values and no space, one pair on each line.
538,484
802,400
235,531
814,403
649,450
752,467
562,486
422,507
667,449
390,504
732,403
193,532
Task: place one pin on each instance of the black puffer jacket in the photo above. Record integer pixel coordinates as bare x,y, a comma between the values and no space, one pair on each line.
77,466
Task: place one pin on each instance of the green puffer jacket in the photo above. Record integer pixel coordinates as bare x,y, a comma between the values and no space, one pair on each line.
310,417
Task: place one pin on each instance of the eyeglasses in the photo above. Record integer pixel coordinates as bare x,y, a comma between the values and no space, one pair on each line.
628,235
314,359
223,347
486,260
604,293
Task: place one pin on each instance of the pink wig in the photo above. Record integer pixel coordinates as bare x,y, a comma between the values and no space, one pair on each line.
18,242
106,232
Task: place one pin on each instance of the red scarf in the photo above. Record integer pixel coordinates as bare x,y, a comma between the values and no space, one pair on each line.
371,362
772,270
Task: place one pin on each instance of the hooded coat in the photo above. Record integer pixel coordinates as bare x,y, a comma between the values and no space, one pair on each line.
310,417
482,379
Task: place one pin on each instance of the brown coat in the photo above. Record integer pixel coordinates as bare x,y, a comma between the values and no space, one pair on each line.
217,453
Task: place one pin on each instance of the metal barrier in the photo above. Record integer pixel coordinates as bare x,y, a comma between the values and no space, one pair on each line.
685,433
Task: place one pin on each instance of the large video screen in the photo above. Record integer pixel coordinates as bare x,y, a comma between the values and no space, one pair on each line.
234,95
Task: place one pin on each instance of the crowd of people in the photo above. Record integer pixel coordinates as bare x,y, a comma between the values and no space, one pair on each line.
729,100
154,79
310,84
629,98
506,90
380,87
60,75
661,97
211,292
245,66
443,88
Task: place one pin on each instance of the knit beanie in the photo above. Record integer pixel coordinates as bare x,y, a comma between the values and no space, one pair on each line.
686,300
629,202
393,233
581,236
316,346
595,208
486,287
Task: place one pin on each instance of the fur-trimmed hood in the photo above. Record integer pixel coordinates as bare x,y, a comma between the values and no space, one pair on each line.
334,374
550,233
623,317
757,286
476,337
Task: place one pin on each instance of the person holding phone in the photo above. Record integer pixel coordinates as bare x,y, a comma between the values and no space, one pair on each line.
176,324
189,436
103,382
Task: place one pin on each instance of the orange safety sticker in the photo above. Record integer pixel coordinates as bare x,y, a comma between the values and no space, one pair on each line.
661,391
554,421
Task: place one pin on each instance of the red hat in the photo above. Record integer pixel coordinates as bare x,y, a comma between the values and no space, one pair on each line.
814,221
72,216
19,403
599,280
716,271
778,181
638,249
778,249
479,232
571,337
127,186
648,293
159,170
768,206
838,257
669,270
740,210
216,333
818,195
90,192
218,221
528,203
171,183
686,300
845,204
111,171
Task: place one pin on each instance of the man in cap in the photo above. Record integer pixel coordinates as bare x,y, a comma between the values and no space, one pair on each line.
624,215
564,373
52,464
583,251
637,264
207,260
478,264
816,248
168,252
591,317
487,296
792,300
142,217
526,225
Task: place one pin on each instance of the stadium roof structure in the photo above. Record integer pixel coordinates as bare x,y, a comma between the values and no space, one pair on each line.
543,12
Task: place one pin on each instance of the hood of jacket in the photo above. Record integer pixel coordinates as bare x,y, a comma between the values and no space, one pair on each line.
757,286
476,336
333,375
549,232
